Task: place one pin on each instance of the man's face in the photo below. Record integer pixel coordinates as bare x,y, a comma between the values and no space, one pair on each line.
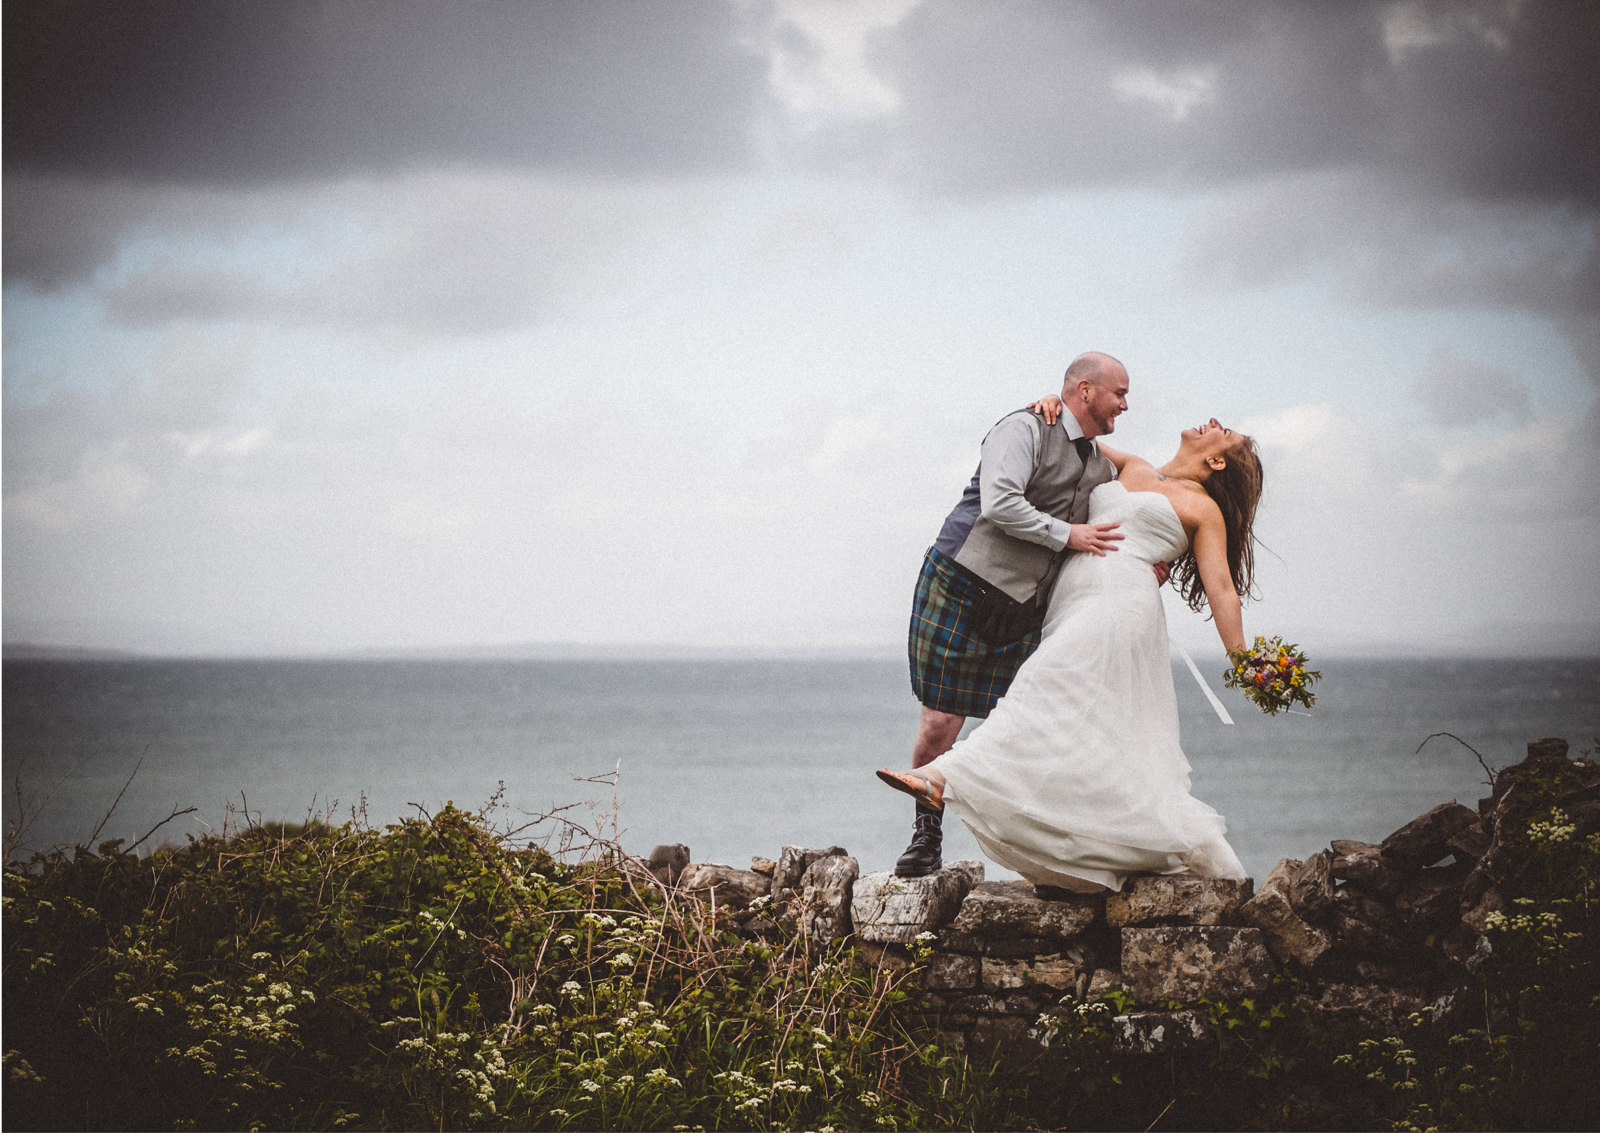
1108,399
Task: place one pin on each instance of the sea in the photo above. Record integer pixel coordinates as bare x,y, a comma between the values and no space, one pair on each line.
734,758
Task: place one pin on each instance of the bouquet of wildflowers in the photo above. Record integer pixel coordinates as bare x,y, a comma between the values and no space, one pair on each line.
1272,675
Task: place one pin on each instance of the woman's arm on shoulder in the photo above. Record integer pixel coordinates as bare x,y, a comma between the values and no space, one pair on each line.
1121,459
1210,544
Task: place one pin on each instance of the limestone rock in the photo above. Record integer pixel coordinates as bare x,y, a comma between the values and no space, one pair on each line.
667,863
1380,932
1364,925
1552,748
1364,864
887,957
1176,899
1382,1009
1311,888
894,910
1004,918
1511,805
821,908
1476,915
1101,982
964,1010
793,861
1470,844
951,971
1288,937
1539,752
726,886
1426,839
1401,971
1283,873
1159,1032
1521,793
1468,948
1189,962
1430,900
990,1033
1056,972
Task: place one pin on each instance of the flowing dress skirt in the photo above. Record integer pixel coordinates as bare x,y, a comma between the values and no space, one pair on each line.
1077,775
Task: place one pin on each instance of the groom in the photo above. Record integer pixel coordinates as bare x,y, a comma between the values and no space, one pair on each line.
986,580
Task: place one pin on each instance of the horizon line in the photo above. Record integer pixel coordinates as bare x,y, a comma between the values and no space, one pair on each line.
643,651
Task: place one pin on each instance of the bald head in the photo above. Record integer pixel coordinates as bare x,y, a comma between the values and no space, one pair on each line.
1095,367
1096,391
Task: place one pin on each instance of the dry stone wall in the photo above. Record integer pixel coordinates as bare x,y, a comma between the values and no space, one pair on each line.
1372,931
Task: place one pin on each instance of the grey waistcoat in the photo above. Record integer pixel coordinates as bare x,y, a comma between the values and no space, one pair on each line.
1060,487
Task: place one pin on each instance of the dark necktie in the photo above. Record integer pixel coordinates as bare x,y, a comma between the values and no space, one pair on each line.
1085,448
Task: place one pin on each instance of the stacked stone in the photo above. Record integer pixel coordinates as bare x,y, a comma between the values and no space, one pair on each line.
806,891
1386,929
1007,957
1004,958
1375,931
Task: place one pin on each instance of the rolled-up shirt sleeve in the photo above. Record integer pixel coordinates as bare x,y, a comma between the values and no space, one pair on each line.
1010,453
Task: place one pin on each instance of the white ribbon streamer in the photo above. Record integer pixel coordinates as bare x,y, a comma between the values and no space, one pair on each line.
1222,713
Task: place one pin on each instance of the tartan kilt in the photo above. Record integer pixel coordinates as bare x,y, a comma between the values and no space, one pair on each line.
951,670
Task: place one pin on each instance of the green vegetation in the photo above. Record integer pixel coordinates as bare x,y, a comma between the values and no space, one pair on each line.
438,974
1530,1059
431,975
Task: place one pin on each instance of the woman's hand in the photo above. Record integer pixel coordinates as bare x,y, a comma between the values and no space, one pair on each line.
1049,407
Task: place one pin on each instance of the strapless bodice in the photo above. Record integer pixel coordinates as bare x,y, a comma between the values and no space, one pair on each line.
1151,533
1151,530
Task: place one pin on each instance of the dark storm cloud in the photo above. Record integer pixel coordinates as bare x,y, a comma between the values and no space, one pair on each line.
1484,99
1487,98
1437,153
229,91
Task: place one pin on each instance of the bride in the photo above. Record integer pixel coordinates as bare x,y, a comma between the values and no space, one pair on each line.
1076,780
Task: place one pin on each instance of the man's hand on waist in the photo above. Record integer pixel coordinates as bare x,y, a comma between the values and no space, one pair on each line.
1096,538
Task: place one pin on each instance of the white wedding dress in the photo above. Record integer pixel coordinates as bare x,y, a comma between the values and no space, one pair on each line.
1077,775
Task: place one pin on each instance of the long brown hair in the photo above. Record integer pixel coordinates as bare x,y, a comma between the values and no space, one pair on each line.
1236,489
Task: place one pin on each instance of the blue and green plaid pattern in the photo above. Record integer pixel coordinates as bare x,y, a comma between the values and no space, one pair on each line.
951,670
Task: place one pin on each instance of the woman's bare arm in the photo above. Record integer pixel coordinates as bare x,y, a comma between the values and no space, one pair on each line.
1210,544
1119,458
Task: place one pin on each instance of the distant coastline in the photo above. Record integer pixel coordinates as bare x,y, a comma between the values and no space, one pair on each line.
1553,649
530,651
27,651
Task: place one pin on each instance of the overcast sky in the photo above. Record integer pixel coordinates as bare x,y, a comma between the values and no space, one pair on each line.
341,326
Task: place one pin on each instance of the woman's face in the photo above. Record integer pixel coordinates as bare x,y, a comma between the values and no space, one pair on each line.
1212,439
